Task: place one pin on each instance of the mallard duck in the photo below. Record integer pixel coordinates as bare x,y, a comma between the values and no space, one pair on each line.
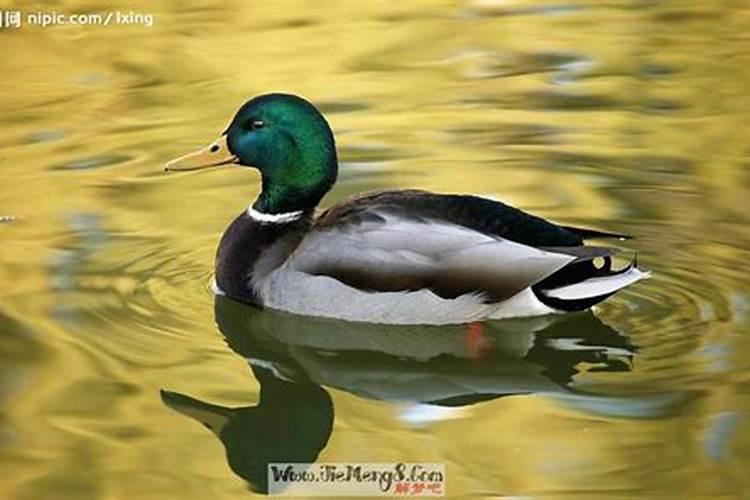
396,257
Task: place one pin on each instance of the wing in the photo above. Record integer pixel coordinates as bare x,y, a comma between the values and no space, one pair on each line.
472,212
403,241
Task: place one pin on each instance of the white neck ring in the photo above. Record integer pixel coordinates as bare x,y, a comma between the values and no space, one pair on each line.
274,218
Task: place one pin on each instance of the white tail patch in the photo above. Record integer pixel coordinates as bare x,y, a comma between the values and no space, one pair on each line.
596,287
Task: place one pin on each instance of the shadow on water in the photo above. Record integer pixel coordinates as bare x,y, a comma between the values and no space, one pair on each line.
295,361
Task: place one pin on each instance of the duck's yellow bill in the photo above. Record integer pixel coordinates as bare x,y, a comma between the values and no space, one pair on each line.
215,154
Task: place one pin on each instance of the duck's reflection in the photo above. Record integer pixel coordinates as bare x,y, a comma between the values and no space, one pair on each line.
293,357
291,423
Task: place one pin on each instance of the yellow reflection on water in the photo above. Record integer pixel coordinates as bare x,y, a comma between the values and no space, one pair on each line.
622,116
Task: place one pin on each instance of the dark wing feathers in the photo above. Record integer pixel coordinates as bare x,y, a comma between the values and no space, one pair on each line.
587,234
480,214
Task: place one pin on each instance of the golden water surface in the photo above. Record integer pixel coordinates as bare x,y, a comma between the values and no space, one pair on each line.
629,116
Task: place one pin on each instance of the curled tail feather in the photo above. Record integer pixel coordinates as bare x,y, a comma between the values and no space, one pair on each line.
581,285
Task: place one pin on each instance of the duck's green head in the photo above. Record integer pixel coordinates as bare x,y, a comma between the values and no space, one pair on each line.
284,137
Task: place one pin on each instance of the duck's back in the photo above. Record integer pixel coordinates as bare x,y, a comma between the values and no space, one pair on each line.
482,215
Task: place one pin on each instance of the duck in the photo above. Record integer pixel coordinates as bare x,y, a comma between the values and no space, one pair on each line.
403,256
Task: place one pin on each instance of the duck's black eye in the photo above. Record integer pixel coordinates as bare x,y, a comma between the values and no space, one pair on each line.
254,124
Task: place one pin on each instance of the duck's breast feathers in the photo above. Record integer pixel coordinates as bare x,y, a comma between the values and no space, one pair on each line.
450,245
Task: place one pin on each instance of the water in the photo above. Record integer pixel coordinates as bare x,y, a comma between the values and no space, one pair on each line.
621,116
